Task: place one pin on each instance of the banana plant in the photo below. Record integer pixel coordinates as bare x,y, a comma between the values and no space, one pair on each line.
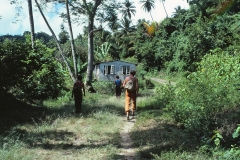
102,52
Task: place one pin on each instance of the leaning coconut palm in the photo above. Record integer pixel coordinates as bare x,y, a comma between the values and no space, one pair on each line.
31,22
148,5
164,7
72,41
56,40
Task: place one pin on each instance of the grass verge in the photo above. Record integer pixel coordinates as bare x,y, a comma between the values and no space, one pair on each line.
57,133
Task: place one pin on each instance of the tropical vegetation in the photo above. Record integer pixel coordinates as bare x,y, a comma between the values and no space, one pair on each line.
196,118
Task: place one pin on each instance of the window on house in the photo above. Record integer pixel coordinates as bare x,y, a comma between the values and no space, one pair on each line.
126,70
109,69
112,69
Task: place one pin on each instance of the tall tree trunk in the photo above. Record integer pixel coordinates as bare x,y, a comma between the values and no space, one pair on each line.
91,11
151,15
90,51
56,40
72,41
31,23
164,7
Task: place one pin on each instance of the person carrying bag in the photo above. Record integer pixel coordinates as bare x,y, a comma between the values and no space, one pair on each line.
131,85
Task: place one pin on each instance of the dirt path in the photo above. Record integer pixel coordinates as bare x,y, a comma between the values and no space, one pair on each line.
126,142
127,151
162,81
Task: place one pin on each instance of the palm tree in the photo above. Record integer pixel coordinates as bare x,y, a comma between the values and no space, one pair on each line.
177,11
110,16
125,26
31,22
151,28
72,41
124,35
127,9
148,5
202,6
56,40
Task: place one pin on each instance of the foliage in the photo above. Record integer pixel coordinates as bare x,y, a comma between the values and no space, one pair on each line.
230,153
43,36
8,36
151,29
102,52
131,60
184,39
81,51
205,92
127,9
148,5
63,36
31,75
165,93
157,136
202,43
104,87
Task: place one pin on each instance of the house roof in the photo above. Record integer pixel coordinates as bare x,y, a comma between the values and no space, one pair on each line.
114,61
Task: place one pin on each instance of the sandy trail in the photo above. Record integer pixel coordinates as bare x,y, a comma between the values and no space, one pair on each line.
162,81
128,151
126,141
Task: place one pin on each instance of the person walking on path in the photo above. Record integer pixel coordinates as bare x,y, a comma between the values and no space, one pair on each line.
118,89
131,85
77,92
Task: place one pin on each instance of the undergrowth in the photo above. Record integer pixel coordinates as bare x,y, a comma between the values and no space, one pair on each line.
55,132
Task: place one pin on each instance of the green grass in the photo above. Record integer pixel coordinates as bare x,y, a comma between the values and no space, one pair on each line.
56,133
52,131
156,133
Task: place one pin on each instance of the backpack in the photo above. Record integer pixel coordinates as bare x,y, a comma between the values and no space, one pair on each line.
129,85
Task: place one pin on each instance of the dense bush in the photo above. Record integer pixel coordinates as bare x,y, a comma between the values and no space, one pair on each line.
206,92
27,73
104,87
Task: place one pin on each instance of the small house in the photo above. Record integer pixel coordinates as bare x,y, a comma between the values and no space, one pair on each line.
107,71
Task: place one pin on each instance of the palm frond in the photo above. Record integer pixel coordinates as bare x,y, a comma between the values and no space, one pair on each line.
149,28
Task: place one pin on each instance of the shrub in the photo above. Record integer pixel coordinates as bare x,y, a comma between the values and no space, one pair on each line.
27,73
104,87
207,91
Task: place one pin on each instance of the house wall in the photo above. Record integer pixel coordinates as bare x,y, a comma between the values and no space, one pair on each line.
118,65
